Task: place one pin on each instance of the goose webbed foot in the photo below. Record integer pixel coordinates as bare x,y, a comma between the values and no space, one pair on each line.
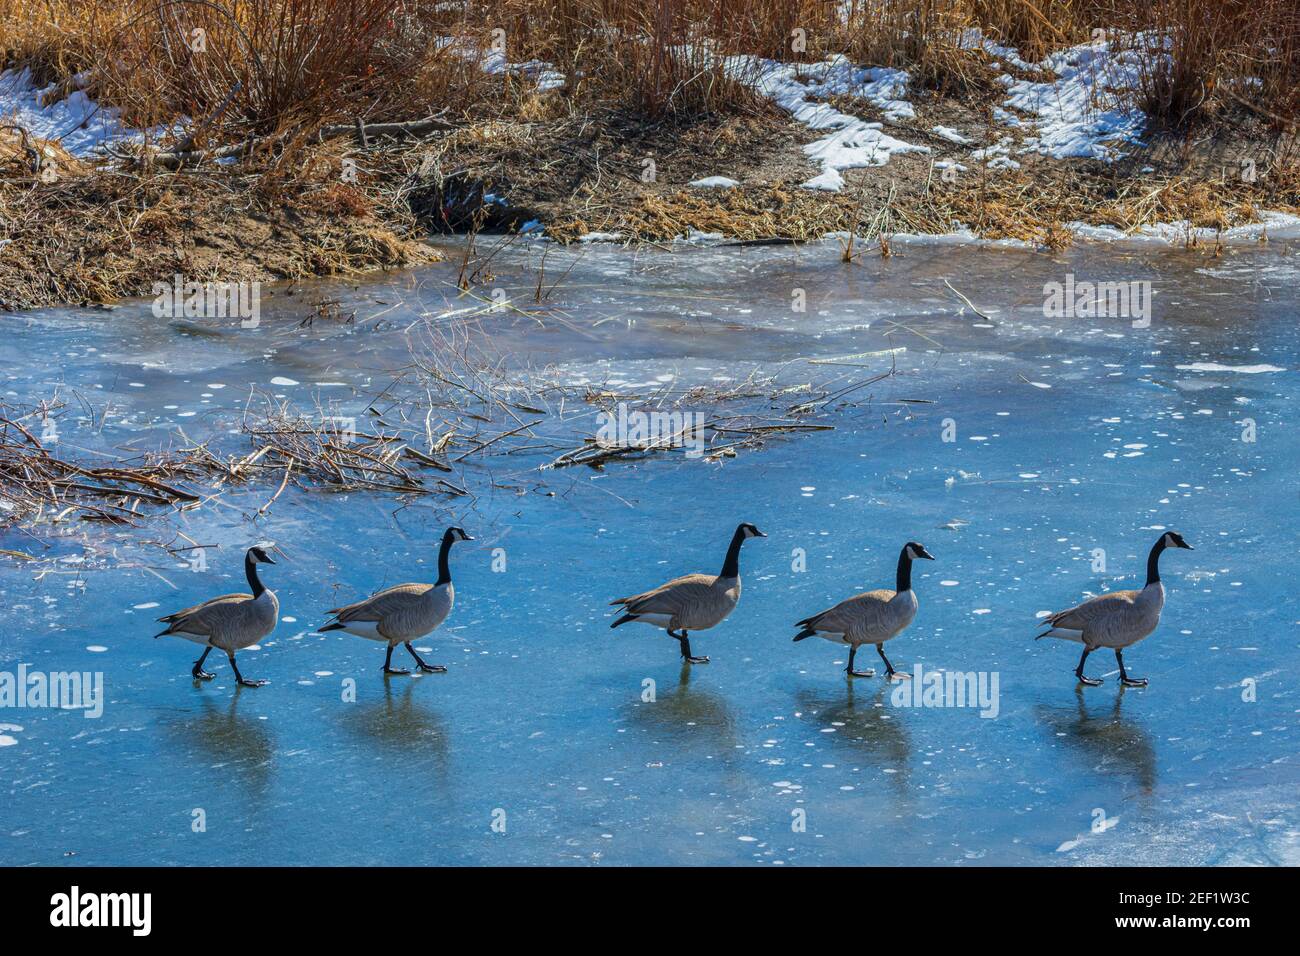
198,673
851,670
388,664
1123,674
240,679
1078,671
890,673
425,668
684,639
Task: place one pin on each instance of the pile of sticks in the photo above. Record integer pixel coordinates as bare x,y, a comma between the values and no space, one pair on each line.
37,481
338,454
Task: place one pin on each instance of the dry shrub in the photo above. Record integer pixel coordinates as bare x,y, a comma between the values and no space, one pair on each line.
244,68
56,39
270,65
1182,52
657,57
254,66
24,156
902,34
1201,59
924,37
341,200
1034,27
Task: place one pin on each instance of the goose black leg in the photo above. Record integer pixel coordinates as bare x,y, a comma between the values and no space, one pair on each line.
388,664
239,678
198,673
853,652
1078,671
1123,675
426,668
890,673
685,641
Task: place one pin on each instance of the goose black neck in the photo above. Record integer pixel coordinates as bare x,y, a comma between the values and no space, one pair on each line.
444,567
250,572
1153,561
904,580
731,567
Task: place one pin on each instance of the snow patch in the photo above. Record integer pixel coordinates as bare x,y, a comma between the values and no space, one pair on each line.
1218,367
1069,117
951,135
714,182
547,78
77,122
854,143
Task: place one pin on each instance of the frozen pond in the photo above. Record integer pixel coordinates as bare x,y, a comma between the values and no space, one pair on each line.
1070,434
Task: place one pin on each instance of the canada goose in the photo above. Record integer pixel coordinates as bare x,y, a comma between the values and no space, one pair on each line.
230,622
1116,619
872,617
693,602
405,612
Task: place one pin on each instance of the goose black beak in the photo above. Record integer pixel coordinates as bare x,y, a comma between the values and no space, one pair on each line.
926,554
267,560
468,537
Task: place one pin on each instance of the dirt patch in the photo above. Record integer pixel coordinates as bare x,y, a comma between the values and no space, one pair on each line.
611,174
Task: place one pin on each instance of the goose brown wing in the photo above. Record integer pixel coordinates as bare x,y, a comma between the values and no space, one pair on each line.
857,613
390,601
677,595
202,618
1080,616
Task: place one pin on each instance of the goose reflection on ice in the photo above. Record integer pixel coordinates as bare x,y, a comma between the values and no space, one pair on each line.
1109,742
401,722
868,727
686,715
220,734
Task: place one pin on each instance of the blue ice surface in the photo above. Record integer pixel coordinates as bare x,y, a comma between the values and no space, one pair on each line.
542,724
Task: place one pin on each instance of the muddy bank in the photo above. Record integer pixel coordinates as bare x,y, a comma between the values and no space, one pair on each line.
93,233
90,234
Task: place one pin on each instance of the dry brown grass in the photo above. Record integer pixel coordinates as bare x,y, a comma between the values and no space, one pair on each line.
642,79
58,38
1224,55
105,235
268,65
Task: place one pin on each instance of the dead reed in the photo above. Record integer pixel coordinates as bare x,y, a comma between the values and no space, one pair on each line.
37,483
242,68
